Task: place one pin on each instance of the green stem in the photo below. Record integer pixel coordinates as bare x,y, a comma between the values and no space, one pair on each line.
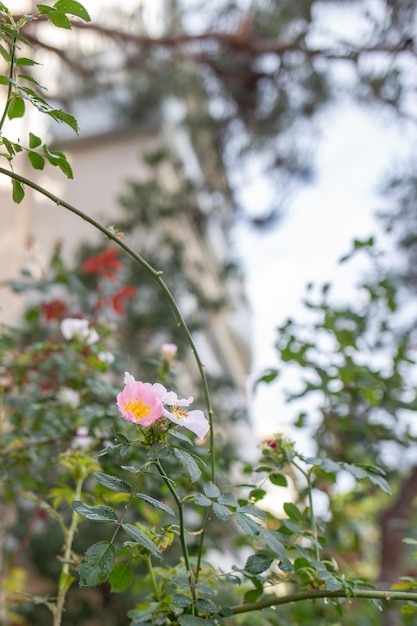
156,275
307,476
201,543
10,87
65,578
131,496
184,546
153,579
273,601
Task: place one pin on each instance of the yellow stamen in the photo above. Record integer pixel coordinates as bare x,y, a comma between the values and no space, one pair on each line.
179,412
137,408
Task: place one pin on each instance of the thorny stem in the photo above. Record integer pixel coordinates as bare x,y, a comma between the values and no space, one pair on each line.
156,275
177,499
370,594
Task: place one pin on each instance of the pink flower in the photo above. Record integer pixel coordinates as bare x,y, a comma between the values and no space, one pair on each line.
138,402
142,403
168,351
192,420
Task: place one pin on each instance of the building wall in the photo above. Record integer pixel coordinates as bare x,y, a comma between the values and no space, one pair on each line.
102,165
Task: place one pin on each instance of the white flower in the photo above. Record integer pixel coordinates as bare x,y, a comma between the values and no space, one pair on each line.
192,420
69,396
106,357
77,327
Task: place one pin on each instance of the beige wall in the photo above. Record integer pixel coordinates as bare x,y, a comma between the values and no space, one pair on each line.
30,230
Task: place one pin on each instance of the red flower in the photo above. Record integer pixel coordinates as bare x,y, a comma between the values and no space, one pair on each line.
105,264
56,309
118,299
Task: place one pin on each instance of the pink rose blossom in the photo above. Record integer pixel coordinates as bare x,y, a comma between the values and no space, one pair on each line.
142,404
138,402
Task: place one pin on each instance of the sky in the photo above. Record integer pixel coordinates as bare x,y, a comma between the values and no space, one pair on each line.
357,149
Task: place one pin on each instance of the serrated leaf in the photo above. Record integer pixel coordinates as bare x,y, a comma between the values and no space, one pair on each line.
248,525
181,600
16,108
159,451
64,117
188,463
257,563
37,161
293,511
98,562
26,61
202,500
221,511
18,191
228,499
155,503
211,490
142,539
58,18
100,513
190,620
112,482
34,141
121,577
73,8
252,510
273,543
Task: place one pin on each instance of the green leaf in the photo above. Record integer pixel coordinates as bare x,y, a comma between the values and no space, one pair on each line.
113,483
228,499
18,191
6,56
190,620
257,563
142,539
247,508
26,61
188,463
58,18
248,525
58,159
278,479
202,500
34,141
121,577
155,503
62,116
253,595
221,511
293,511
100,513
211,490
73,8
16,108
273,543
181,600
98,562
36,159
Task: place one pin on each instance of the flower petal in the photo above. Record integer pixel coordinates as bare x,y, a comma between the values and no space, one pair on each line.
193,420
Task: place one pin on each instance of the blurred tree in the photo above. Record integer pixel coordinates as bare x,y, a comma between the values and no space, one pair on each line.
264,70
